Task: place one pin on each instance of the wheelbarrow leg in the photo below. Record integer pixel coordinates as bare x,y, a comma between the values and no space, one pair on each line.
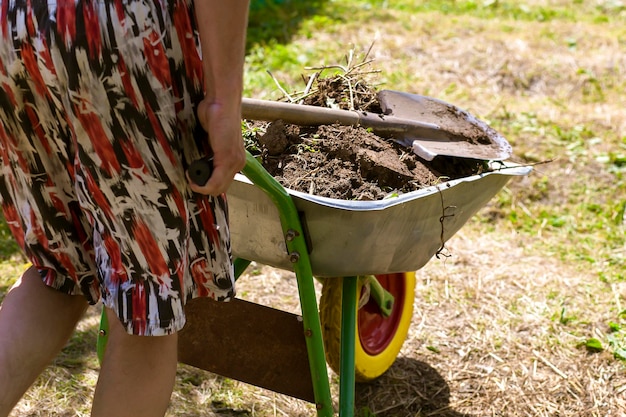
348,343
240,266
313,335
103,335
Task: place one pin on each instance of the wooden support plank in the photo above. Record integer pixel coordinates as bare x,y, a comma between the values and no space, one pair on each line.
248,342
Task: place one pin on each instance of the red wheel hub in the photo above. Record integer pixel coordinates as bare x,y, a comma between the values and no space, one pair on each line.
375,330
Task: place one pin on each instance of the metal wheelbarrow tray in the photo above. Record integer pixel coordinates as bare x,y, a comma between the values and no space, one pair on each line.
350,238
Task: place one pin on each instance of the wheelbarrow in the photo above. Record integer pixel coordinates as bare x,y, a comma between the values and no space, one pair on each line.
364,253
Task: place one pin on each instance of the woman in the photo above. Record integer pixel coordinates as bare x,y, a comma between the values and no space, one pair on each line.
98,108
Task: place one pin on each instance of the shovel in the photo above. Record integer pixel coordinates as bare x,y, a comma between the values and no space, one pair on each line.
429,126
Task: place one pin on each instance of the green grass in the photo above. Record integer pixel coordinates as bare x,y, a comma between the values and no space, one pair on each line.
569,11
8,246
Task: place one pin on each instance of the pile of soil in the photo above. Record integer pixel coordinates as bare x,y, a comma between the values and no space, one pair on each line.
348,162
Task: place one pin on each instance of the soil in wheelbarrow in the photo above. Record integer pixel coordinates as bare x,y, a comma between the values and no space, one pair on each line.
347,162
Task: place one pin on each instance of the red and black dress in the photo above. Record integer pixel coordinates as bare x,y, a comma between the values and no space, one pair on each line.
97,121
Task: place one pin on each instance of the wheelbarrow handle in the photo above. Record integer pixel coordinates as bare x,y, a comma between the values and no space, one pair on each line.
200,170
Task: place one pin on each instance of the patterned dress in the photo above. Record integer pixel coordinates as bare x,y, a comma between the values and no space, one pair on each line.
97,126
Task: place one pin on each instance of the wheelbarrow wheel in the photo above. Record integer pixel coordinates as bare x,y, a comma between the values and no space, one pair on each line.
378,339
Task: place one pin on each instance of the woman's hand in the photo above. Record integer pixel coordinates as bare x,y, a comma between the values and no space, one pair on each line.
223,123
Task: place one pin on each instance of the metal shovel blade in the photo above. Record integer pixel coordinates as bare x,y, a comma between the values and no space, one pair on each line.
466,136
431,127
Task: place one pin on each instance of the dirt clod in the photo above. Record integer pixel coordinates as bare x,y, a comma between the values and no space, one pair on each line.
351,163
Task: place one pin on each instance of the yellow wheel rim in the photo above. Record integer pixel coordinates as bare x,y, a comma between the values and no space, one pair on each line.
378,339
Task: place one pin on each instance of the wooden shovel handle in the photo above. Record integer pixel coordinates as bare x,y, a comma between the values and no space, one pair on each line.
305,115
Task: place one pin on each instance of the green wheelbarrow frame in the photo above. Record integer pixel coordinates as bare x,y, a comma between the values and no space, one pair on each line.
295,240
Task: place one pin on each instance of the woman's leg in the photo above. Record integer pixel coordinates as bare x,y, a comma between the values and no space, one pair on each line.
35,324
137,375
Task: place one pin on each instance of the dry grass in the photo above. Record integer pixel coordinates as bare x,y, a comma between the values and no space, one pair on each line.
493,317
500,326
